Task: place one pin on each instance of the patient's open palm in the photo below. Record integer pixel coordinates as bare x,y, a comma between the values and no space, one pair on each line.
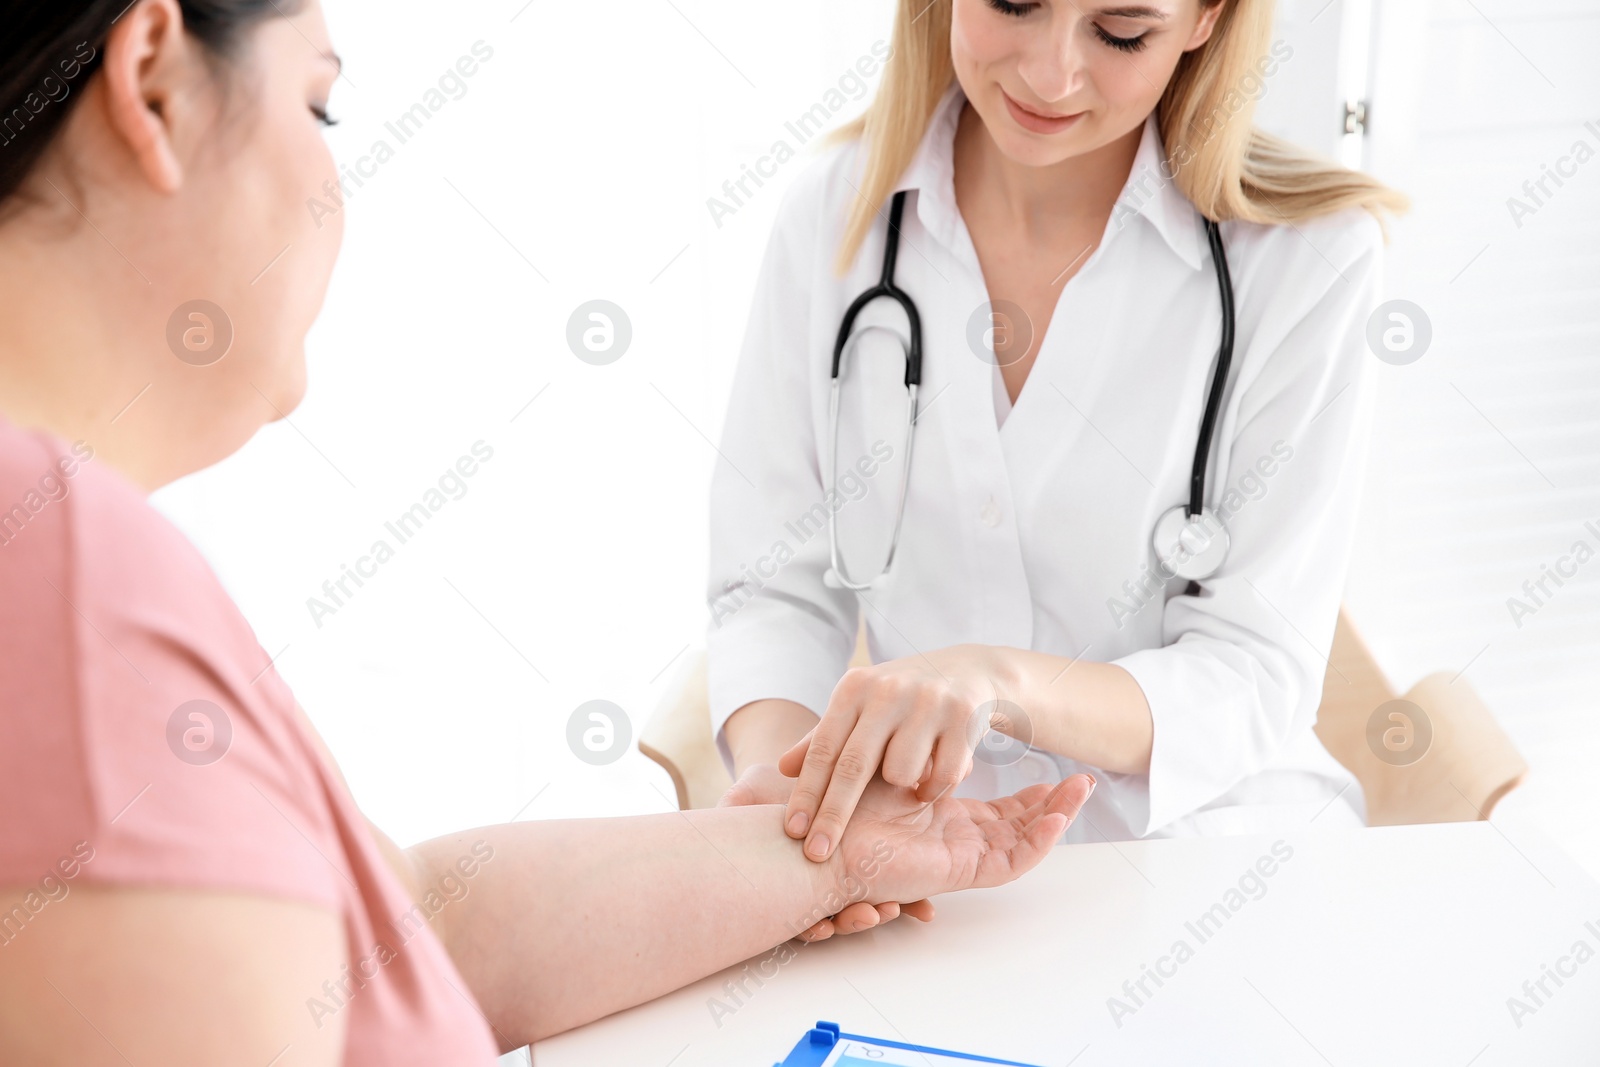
916,849
898,849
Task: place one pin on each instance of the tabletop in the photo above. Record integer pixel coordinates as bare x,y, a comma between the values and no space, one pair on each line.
1450,944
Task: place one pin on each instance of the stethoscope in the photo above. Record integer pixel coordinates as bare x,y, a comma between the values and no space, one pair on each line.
1189,540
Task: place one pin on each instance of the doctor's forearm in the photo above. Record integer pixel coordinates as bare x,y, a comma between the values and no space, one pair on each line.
763,730
1091,712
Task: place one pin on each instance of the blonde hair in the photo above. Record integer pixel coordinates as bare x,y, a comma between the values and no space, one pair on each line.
1225,166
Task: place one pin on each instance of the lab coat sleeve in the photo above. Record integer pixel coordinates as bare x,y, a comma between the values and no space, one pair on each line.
1240,673
776,630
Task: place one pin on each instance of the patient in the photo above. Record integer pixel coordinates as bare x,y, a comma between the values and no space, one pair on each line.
184,877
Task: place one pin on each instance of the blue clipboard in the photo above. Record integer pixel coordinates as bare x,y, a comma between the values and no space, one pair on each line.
819,1043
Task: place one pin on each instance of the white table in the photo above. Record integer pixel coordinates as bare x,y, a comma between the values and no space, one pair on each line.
1384,946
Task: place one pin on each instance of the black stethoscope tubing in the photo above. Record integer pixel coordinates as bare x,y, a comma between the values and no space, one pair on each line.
1219,379
887,288
1194,509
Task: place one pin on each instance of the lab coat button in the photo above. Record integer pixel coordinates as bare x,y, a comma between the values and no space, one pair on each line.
989,514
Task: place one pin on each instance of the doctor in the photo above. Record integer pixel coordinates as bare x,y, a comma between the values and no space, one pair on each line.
1115,538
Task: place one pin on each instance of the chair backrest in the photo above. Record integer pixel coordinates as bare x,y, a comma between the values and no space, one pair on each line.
1434,755
678,735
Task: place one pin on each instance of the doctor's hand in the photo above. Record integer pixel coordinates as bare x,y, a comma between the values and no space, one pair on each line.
763,783
916,720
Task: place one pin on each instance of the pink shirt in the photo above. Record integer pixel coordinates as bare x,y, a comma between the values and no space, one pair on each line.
146,741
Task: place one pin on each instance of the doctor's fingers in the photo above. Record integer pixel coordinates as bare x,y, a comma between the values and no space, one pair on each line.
909,758
952,762
856,766
812,761
928,751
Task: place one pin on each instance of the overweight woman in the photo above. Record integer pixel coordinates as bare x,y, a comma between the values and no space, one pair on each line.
161,905
1050,172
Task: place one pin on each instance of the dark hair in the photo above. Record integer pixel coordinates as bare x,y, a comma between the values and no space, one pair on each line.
52,48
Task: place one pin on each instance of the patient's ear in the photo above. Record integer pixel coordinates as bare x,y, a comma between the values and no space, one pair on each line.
150,73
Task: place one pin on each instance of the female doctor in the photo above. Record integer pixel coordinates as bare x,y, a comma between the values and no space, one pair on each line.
1115,538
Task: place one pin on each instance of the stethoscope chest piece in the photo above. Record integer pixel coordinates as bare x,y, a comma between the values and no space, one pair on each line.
1191,546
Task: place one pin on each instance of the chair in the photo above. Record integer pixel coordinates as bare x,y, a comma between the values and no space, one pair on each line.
1448,760
1444,758
678,735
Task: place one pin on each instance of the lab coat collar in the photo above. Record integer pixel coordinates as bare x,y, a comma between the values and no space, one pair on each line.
1149,191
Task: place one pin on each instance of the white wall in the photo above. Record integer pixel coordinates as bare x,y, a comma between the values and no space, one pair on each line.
589,145
1486,466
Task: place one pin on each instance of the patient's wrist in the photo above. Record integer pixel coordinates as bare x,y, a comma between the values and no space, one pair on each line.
829,889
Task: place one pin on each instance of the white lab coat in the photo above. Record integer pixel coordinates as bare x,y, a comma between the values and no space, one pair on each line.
1031,528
